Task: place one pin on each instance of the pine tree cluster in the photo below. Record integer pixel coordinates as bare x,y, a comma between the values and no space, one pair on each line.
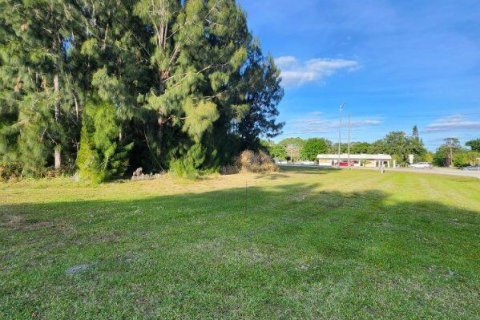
104,87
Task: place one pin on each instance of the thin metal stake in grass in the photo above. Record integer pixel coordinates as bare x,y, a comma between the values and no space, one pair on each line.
246,196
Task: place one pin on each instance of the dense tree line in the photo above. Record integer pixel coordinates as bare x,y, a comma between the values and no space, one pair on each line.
103,87
396,143
451,153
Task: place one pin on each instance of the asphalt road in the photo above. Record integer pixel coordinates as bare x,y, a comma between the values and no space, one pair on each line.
447,171
435,170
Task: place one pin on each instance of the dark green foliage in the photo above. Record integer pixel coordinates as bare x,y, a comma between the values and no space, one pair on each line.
415,133
89,166
447,153
313,147
174,80
263,94
10,170
191,163
360,147
101,156
400,145
474,144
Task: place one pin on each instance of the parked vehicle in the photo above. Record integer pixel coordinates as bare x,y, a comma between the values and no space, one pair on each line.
421,165
472,168
345,164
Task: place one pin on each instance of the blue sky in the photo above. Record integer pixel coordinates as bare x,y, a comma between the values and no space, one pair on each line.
393,63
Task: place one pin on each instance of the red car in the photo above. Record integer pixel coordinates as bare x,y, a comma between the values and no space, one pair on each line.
345,164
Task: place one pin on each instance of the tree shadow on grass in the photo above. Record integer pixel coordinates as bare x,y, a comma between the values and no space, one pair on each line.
288,250
271,176
309,170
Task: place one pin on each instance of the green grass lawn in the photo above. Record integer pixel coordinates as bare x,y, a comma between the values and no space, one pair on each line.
295,244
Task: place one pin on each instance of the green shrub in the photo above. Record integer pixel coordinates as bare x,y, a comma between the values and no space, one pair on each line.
464,159
88,161
102,156
190,165
276,150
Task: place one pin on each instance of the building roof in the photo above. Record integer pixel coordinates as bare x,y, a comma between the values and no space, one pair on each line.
363,156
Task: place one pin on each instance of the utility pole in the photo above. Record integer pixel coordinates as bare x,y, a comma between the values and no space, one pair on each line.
340,134
349,136
451,157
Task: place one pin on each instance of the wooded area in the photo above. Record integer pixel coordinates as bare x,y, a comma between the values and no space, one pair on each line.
104,87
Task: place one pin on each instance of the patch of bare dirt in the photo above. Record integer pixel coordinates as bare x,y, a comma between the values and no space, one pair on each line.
22,223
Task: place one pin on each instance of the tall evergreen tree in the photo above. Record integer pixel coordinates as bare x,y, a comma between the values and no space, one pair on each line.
38,71
144,83
415,134
262,96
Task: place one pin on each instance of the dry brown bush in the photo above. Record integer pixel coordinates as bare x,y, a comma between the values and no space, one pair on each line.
258,162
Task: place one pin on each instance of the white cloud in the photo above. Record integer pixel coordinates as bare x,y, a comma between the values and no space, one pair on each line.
285,61
296,73
451,123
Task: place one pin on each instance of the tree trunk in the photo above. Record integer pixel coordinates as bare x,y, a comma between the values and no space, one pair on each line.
58,157
56,89
451,158
161,123
76,106
57,150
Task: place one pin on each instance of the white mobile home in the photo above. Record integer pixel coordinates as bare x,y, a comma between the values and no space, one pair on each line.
356,160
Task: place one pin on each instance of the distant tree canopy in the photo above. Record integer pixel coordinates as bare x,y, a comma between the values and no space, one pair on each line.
400,145
446,152
451,153
474,144
396,143
360,147
293,147
313,147
292,141
466,158
108,86
277,151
